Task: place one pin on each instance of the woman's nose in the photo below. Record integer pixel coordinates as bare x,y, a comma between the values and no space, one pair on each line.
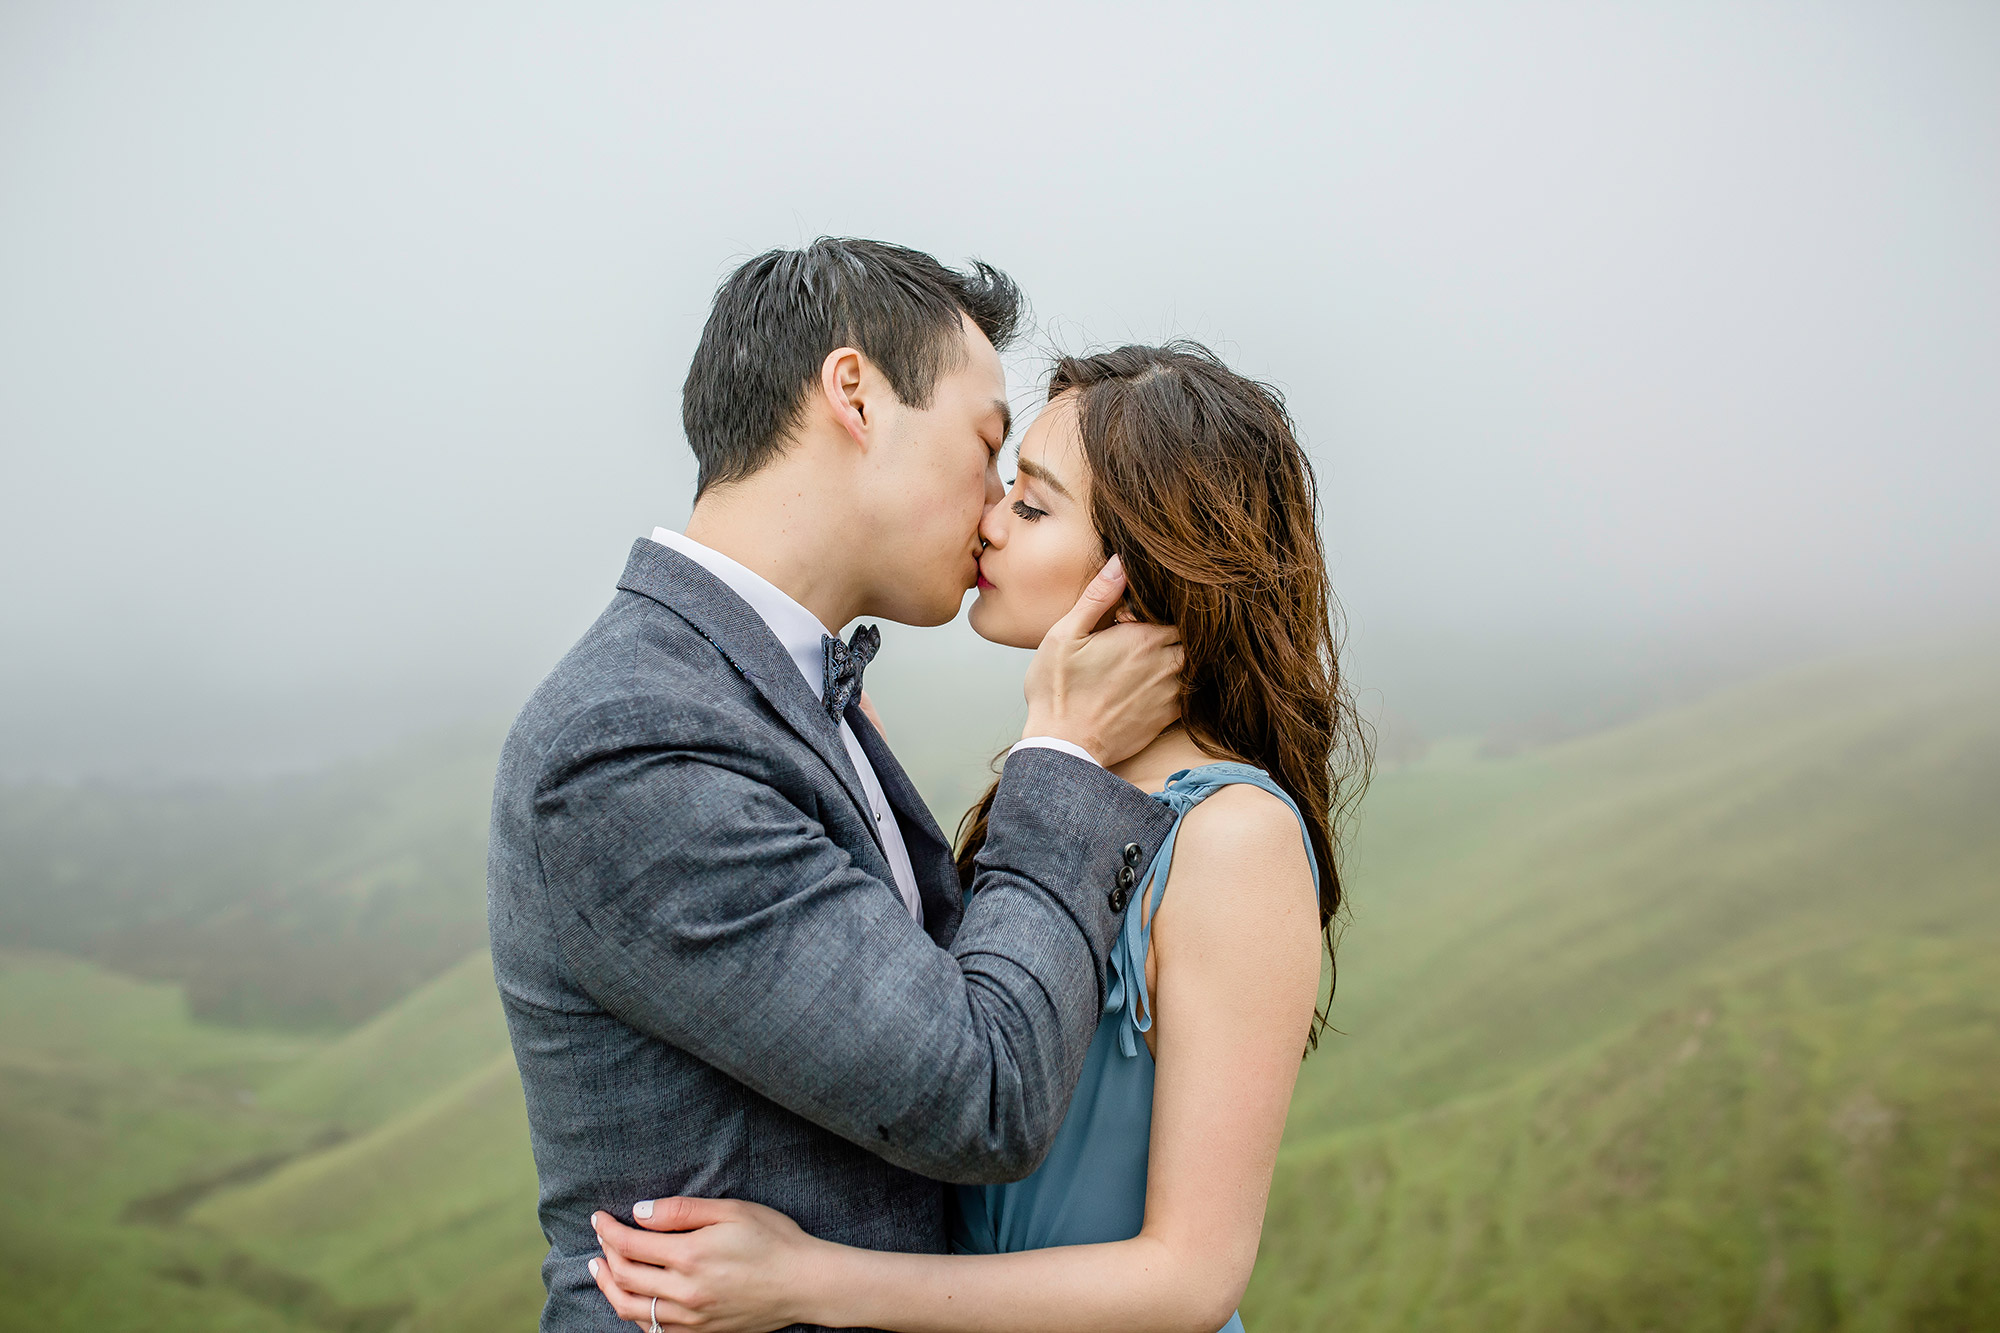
990,525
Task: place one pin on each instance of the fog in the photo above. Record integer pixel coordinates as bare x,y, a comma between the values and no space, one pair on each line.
340,346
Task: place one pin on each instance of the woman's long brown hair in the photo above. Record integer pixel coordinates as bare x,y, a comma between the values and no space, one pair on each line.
1198,483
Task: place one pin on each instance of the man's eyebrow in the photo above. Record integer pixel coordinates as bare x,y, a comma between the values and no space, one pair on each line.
1006,418
1043,475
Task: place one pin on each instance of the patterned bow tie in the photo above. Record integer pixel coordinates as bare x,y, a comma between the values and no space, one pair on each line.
842,665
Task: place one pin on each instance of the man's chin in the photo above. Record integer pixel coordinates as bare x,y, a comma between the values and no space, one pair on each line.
927,614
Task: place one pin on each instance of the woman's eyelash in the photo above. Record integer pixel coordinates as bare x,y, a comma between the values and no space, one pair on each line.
1027,512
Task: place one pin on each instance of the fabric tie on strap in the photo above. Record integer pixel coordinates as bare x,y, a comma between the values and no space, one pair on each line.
1126,995
842,665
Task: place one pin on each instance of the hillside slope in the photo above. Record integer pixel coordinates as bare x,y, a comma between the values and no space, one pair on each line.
1689,1025
117,1114
451,1028
1809,1147
1504,912
432,1200
151,1163
309,902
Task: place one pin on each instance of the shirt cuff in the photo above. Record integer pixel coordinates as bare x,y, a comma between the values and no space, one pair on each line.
1051,743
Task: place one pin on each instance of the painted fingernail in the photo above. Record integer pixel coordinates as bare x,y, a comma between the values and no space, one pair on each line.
593,1268
643,1208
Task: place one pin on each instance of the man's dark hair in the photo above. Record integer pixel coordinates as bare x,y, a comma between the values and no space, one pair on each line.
778,316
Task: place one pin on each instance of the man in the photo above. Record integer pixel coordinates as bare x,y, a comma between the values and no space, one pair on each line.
727,933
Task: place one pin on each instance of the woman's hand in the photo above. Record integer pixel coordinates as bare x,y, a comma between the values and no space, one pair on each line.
718,1264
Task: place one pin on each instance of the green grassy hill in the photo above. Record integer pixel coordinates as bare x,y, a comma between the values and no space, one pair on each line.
223,1179
309,902
1686,1025
117,1113
432,1201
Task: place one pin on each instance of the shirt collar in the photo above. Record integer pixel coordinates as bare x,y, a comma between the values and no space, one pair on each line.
796,628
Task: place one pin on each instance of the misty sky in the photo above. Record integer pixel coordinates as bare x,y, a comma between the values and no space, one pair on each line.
340,345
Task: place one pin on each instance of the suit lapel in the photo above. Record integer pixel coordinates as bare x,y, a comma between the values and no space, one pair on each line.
746,642
930,851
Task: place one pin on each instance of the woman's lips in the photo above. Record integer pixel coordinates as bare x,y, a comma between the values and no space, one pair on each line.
984,582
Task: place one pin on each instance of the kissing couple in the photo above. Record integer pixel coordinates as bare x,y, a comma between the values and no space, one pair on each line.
792,1058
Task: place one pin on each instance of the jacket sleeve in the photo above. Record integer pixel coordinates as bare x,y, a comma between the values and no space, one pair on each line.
700,906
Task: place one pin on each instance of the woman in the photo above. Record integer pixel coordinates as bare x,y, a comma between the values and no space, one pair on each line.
1147,1211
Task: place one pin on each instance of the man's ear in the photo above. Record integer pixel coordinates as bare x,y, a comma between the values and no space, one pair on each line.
842,382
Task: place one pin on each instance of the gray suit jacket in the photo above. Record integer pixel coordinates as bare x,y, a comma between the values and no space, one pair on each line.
712,985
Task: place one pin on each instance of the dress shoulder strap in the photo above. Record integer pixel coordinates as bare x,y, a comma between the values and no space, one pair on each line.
1185,790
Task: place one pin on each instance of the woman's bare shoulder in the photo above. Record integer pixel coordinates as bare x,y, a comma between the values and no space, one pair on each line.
1242,845
1245,819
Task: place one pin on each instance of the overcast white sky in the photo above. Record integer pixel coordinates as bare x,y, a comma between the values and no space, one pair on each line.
340,345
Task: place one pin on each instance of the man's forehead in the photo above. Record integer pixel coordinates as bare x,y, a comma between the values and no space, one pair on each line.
980,378
980,357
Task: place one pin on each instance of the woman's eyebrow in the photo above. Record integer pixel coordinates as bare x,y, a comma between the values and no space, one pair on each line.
1043,475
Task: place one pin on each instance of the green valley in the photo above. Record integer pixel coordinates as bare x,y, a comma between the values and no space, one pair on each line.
1688,1024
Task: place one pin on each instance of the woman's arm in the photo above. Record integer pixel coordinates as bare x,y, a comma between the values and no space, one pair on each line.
1237,949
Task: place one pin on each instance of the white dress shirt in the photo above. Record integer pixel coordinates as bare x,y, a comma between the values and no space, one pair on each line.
800,632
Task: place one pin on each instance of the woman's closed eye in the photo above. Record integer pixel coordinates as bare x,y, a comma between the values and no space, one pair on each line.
1027,512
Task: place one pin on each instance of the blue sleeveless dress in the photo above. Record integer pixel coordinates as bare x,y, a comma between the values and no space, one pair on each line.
1092,1186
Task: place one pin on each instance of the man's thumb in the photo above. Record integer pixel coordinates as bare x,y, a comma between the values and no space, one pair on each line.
1099,596
678,1214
